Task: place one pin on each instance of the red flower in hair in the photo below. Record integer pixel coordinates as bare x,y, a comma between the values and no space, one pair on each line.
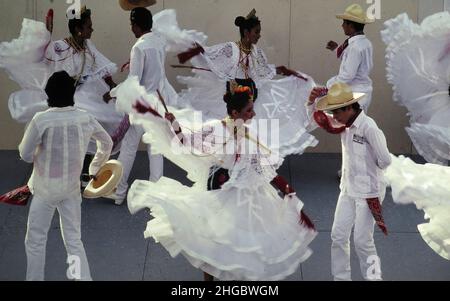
244,89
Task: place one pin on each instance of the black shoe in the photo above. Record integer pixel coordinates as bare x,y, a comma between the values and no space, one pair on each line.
85,179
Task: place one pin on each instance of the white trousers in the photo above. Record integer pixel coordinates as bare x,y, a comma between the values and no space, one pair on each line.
130,145
354,212
39,220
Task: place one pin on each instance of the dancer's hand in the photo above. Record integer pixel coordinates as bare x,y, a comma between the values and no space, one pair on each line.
170,117
316,93
107,97
288,72
110,82
332,45
49,20
306,221
289,191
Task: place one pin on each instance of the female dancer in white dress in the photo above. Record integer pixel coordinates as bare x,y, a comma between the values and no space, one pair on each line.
238,62
418,67
33,57
243,231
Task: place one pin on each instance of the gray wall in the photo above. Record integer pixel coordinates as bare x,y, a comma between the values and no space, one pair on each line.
294,34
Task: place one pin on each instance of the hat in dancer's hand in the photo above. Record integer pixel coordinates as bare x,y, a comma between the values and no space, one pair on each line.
339,95
106,180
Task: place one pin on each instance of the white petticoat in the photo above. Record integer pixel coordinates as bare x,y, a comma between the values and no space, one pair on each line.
244,231
232,233
427,186
418,67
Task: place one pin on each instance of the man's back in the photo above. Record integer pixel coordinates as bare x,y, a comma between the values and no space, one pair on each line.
56,142
147,60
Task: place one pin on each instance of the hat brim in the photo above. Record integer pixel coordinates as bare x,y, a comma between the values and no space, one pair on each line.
108,178
355,19
126,5
322,103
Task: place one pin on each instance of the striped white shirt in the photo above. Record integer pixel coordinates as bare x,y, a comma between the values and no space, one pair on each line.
56,141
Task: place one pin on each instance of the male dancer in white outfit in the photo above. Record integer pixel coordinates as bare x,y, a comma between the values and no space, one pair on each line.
356,54
56,141
147,63
364,156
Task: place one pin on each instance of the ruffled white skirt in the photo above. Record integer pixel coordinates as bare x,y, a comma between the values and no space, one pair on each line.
232,233
427,186
418,67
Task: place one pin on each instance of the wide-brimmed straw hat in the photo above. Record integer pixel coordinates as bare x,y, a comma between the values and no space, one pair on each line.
130,4
356,14
339,95
106,181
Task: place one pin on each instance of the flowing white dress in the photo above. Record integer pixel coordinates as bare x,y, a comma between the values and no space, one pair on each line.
418,67
282,100
32,58
426,186
244,231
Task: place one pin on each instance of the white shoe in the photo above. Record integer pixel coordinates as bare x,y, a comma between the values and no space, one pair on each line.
119,202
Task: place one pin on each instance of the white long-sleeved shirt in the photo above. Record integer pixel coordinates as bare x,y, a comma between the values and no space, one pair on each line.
147,63
356,65
56,141
364,156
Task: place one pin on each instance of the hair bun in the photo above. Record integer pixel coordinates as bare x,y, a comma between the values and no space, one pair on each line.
240,21
227,97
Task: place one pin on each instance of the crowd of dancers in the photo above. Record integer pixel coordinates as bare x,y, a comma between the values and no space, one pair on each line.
239,220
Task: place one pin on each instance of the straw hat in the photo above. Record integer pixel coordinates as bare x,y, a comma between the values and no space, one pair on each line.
108,178
339,95
356,14
130,4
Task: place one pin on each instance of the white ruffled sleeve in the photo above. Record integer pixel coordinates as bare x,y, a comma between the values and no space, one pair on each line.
104,67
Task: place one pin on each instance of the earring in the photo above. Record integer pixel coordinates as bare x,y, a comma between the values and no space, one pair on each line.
79,34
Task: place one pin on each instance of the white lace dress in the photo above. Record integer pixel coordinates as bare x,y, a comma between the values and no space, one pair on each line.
418,67
244,231
426,186
282,100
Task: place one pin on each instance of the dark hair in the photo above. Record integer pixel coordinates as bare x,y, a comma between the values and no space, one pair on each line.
355,106
237,101
246,24
142,17
74,23
60,90
357,26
